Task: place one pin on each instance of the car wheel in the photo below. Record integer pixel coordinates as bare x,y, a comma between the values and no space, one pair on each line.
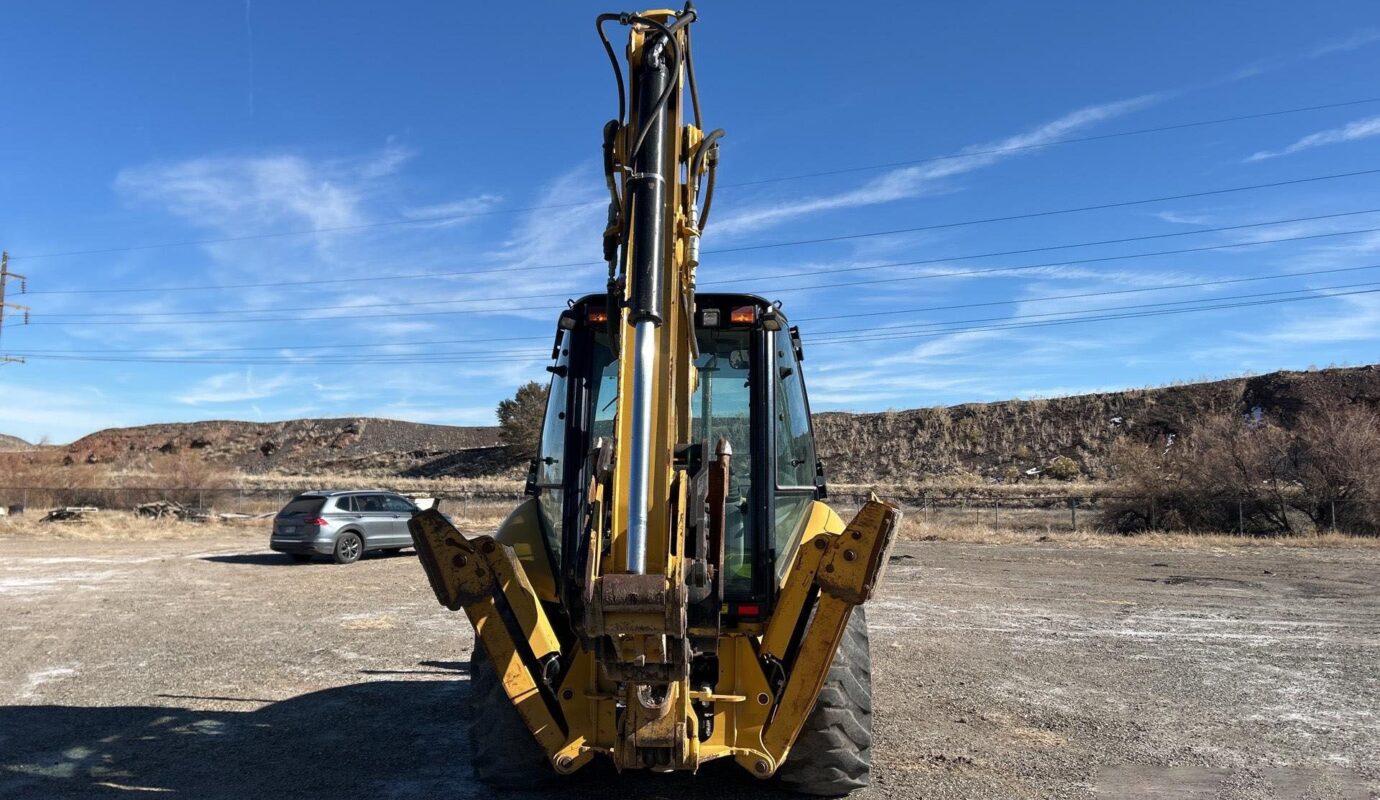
301,558
348,548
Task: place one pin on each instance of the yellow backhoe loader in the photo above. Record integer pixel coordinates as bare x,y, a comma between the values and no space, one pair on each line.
673,590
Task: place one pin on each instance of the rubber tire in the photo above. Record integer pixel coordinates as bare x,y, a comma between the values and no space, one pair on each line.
833,754
339,556
302,558
503,751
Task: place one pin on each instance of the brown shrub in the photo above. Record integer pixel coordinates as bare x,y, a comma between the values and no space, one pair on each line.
1248,474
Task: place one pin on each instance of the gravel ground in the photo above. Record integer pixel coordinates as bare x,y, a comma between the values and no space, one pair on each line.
213,669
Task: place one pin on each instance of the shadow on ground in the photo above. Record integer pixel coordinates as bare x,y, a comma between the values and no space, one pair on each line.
399,739
284,560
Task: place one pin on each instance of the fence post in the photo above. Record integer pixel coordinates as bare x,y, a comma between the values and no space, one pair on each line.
1240,519
1333,503
1073,514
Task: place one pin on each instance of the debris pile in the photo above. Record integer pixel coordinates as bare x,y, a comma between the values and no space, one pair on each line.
169,509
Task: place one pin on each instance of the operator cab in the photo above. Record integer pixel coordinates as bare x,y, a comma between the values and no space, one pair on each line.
750,391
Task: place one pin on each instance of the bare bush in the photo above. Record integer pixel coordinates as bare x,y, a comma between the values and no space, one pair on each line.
1247,474
187,477
1225,473
1337,461
1063,468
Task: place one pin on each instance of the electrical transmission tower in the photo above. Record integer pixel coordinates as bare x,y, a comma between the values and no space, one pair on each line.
5,277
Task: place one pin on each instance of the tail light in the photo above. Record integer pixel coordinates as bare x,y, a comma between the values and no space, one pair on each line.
319,521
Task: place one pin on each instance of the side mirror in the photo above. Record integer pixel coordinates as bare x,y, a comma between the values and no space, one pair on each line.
530,489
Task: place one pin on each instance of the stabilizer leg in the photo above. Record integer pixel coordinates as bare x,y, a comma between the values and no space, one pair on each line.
485,578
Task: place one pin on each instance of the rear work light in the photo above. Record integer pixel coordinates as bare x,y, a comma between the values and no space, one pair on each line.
743,315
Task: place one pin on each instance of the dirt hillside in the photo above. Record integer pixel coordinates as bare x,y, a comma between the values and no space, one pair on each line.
304,446
12,444
987,440
990,439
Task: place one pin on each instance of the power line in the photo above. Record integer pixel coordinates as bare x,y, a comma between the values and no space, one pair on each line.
854,315
1084,295
5,277
871,333
962,257
1050,323
768,245
1054,143
778,179
932,325
775,291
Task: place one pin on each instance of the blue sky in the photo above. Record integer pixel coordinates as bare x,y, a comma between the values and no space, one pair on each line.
151,123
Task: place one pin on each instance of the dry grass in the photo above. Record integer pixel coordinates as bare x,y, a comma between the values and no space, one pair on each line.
126,527
470,516
926,528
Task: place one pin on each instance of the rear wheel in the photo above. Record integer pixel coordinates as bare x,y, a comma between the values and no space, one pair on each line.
348,548
503,751
833,754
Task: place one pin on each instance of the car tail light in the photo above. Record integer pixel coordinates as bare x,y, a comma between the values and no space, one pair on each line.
319,521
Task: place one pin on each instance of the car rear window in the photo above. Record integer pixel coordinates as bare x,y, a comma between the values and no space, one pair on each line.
304,504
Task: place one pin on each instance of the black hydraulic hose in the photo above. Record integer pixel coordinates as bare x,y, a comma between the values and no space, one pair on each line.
706,156
690,73
613,59
649,115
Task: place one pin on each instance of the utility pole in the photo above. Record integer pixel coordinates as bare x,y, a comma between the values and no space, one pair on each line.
5,276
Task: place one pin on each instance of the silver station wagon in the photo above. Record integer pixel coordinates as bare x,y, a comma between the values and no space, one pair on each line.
343,525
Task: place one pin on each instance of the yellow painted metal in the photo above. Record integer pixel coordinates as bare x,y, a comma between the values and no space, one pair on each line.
474,574
522,530
846,567
638,705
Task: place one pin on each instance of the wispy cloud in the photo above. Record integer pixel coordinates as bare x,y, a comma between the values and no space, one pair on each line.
1182,218
236,194
926,178
454,212
1354,318
1346,44
1351,132
233,387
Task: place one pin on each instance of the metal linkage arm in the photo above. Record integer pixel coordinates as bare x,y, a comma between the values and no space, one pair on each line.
485,578
833,573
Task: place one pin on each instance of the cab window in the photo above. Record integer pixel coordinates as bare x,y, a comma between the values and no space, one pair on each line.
551,454
795,453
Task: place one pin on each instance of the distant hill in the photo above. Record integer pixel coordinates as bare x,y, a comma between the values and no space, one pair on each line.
987,440
306,446
991,439
13,444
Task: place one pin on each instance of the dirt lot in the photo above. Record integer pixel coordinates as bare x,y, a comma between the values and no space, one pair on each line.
213,669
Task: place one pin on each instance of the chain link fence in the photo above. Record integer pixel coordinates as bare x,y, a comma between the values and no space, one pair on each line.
1105,512
212,502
